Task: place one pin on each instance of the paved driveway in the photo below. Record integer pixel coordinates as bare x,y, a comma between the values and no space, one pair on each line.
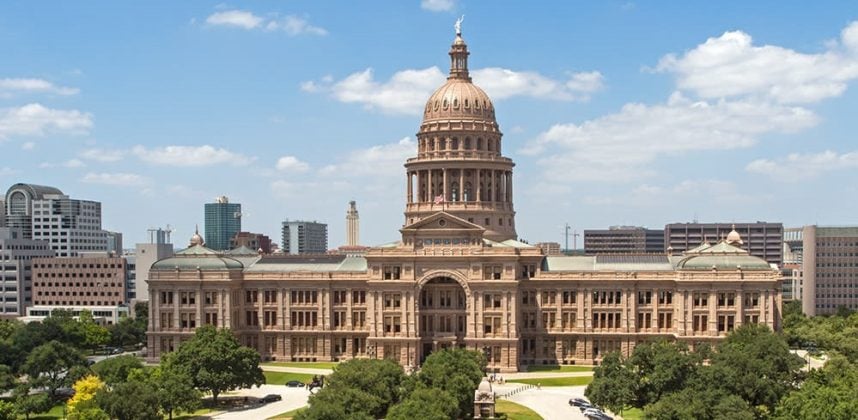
292,398
550,402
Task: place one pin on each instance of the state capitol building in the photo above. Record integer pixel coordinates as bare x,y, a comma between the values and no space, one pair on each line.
459,277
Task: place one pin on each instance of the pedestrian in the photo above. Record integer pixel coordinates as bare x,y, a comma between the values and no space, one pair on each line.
538,386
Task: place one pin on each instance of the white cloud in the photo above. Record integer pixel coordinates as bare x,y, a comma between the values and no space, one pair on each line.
797,166
190,156
731,65
294,25
291,164
380,160
437,5
236,18
102,155
7,86
407,90
502,83
28,145
71,163
115,179
619,146
37,120
291,24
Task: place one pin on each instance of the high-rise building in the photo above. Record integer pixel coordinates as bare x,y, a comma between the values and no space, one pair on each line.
829,271
146,254
2,212
352,225
458,276
114,243
761,239
254,241
16,254
623,240
303,237
71,226
97,283
223,221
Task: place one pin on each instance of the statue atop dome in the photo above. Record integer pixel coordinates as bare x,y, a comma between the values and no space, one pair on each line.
458,25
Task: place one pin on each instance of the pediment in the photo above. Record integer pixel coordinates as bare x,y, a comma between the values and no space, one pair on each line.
442,222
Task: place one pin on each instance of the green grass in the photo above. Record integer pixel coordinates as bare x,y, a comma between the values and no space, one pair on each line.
515,411
195,414
632,413
559,368
287,415
55,413
308,365
280,378
568,381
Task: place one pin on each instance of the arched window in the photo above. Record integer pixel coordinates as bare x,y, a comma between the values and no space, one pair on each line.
480,143
467,143
468,193
455,145
455,191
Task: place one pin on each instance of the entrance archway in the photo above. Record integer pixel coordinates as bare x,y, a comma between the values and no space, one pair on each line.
443,315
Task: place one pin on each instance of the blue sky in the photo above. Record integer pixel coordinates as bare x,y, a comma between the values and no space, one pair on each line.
615,112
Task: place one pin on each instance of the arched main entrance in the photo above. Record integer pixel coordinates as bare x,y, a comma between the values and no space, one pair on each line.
443,316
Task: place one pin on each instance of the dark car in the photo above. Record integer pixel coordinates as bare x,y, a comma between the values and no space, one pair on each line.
577,402
584,406
295,384
270,398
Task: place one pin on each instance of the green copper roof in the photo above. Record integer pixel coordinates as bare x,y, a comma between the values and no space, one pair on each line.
197,257
723,262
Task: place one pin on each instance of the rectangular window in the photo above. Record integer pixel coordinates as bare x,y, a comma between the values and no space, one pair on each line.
751,300
725,323
358,320
359,297
211,318
549,298
567,320
665,298
269,296
211,298
644,320
700,299
568,297
251,318
492,272
392,272
665,320
339,319
700,323
644,297
392,300
251,296
339,297
548,319
269,318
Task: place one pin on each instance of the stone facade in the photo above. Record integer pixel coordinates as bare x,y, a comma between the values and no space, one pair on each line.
458,277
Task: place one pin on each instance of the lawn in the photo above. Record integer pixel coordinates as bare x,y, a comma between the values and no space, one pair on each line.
55,413
287,415
308,365
195,414
515,411
559,368
632,413
568,381
280,378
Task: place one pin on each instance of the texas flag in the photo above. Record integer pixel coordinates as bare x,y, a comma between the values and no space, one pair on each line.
439,199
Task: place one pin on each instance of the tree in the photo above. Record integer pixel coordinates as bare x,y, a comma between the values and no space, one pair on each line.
114,370
95,335
127,332
756,365
7,411
84,393
425,403
216,362
92,413
662,367
49,365
8,379
130,400
175,392
27,404
456,371
829,393
614,384
360,387
706,403
342,402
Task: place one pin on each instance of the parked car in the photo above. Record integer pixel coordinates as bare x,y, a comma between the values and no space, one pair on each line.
270,398
596,414
577,402
295,384
585,405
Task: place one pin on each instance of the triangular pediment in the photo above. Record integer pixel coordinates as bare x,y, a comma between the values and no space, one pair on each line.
442,222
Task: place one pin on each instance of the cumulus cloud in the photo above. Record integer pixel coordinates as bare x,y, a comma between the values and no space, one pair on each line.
407,90
379,160
115,179
71,163
9,86
102,155
28,145
437,5
800,166
731,65
291,24
190,156
291,164
38,120
619,146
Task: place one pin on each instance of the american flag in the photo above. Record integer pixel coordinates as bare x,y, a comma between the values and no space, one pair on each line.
439,199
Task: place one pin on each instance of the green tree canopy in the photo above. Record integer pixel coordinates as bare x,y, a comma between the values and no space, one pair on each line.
215,362
614,384
425,404
95,335
827,393
456,371
49,365
130,400
359,387
662,367
175,392
114,370
28,403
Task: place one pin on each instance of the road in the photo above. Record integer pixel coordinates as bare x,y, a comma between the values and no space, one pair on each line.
552,403
292,398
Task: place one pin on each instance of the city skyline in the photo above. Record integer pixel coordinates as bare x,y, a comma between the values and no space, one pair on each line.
265,102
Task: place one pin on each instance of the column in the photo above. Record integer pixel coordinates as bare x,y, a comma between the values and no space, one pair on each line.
494,188
408,186
281,319
429,190
461,183
446,185
713,313
176,318
510,187
478,186
155,310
